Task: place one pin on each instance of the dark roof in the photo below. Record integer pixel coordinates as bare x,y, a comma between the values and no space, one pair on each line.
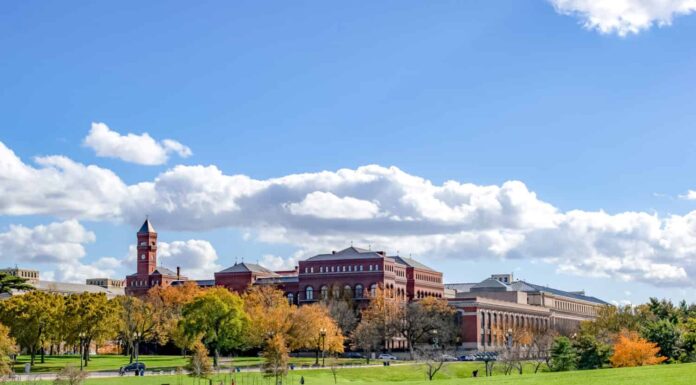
164,271
561,292
245,267
490,284
278,279
146,228
412,263
460,287
349,253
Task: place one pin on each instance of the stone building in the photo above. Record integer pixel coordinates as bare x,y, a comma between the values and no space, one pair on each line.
33,278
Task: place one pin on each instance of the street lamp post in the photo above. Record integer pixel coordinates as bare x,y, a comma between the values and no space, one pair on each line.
322,334
509,339
137,336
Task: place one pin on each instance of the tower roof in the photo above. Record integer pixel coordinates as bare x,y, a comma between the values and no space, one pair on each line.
146,228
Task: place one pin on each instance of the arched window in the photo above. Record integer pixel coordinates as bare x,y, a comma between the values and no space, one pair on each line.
336,292
358,291
291,298
373,290
347,291
324,292
309,293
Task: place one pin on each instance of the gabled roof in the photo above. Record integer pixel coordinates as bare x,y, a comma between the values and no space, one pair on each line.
146,228
490,284
245,267
161,270
412,263
349,253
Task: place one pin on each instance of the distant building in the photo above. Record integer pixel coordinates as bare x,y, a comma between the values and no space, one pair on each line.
106,283
490,308
65,288
31,276
148,274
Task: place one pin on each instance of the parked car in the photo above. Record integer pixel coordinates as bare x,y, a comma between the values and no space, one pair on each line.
448,357
486,356
387,357
134,367
467,357
353,355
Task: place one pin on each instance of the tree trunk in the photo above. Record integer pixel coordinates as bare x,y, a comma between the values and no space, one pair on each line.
43,355
216,355
410,350
317,360
32,352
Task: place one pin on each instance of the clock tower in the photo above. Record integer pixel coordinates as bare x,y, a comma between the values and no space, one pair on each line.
147,249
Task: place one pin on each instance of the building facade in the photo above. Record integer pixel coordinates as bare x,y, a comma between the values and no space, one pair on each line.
493,308
33,278
148,274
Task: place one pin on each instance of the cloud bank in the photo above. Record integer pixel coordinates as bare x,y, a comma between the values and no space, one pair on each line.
140,149
382,206
624,17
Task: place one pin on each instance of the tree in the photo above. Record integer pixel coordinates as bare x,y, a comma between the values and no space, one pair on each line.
415,321
592,354
32,318
270,312
313,328
563,356
9,282
665,334
689,340
433,357
275,356
167,305
90,317
539,352
199,363
218,318
343,311
137,321
378,318
632,350
366,337
7,349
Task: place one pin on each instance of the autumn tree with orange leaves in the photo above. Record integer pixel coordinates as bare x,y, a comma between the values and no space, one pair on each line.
632,350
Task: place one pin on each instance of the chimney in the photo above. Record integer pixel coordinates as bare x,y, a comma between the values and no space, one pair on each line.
333,251
382,253
178,273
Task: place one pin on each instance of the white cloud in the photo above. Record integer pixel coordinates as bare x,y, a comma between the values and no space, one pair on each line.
197,258
328,206
56,242
372,205
690,195
140,149
624,17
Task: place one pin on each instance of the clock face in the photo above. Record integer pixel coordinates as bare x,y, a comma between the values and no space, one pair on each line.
142,256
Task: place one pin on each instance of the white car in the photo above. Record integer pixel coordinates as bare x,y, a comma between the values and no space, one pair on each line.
385,356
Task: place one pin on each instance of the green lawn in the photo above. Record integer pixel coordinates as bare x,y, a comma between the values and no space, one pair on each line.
455,373
113,362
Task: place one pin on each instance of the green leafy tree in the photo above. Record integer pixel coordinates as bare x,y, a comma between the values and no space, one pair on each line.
563,355
10,282
90,318
32,318
665,334
591,353
218,318
688,341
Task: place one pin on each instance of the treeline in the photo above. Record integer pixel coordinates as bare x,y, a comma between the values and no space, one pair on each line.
221,321
651,333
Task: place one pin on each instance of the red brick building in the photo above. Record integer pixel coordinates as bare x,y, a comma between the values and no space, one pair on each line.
148,274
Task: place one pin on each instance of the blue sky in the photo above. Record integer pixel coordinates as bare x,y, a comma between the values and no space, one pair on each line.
587,117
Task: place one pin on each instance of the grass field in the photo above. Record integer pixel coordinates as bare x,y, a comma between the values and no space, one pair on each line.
455,373
113,362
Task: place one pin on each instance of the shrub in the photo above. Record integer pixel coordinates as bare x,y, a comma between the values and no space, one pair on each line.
631,350
563,355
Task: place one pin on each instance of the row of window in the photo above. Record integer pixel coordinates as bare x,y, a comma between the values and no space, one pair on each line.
575,307
143,283
348,291
428,278
341,269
